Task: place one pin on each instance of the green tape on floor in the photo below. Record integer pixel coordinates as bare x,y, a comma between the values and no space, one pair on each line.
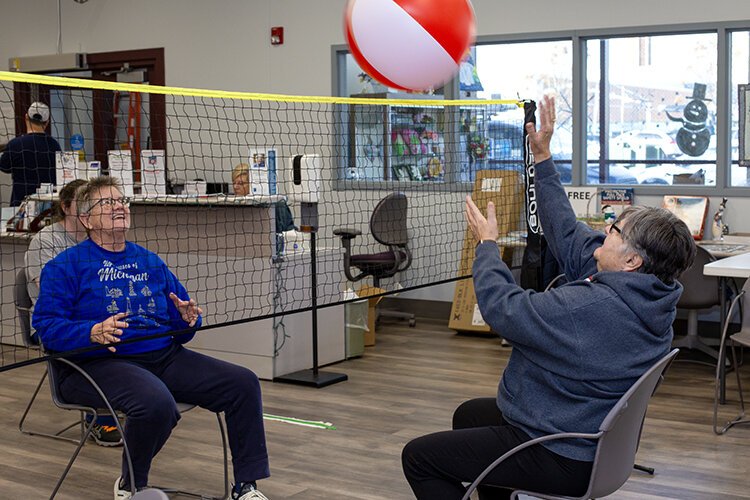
297,421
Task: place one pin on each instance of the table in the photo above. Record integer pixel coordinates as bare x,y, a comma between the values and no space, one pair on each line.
731,267
721,250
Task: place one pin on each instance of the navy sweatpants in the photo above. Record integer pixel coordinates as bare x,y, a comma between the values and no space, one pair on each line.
146,387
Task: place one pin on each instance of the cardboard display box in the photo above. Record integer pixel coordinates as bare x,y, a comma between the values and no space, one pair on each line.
369,291
505,189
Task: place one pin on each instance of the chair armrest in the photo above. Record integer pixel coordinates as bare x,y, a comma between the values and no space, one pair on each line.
523,446
347,233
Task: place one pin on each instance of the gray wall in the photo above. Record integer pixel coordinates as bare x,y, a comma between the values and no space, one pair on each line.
224,44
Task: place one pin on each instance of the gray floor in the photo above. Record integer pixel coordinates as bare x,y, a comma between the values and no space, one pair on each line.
405,386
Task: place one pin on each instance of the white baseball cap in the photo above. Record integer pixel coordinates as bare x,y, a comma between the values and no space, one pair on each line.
39,112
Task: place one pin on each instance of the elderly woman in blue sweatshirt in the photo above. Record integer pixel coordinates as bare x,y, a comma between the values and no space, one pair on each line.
106,290
576,348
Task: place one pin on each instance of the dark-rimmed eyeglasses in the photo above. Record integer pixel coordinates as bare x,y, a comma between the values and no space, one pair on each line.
614,227
111,202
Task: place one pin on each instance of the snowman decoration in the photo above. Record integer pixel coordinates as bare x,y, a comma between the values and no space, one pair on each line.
694,136
718,228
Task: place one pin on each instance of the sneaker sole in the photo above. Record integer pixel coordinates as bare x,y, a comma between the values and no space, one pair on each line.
107,444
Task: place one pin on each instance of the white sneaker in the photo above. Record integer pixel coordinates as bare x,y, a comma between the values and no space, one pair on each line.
253,494
119,493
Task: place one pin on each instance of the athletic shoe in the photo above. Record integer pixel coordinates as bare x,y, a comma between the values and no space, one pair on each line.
121,494
247,491
106,435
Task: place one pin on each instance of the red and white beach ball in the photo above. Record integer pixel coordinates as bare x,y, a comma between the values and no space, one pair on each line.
409,44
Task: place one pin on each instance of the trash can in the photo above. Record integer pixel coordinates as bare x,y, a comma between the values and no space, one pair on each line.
355,318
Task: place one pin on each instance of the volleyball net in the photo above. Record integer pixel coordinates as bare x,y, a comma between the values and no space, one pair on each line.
232,190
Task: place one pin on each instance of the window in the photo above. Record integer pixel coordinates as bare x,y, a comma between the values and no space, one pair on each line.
651,110
634,108
512,71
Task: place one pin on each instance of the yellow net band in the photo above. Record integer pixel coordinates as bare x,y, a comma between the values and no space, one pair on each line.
58,81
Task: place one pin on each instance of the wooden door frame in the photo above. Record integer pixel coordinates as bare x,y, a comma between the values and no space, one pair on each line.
104,66
152,60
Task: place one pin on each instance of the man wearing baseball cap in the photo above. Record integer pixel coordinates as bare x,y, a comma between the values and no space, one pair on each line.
30,159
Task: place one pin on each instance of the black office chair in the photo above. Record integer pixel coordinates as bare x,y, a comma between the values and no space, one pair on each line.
388,227
699,292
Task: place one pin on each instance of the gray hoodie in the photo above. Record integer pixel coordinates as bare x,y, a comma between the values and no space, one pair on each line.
579,347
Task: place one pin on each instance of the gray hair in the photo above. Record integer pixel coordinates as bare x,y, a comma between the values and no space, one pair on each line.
661,239
84,195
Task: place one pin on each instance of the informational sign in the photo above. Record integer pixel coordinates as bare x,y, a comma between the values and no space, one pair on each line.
617,198
66,163
153,172
262,171
583,200
76,142
121,168
744,116
692,210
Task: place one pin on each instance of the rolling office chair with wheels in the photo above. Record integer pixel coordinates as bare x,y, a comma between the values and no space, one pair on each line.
699,292
388,227
741,302
617,439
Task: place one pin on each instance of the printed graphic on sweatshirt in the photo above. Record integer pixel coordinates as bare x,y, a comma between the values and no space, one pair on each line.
140,307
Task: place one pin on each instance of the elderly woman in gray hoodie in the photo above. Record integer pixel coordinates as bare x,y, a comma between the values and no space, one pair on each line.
576,349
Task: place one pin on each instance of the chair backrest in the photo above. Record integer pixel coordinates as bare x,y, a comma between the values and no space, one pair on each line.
23,307
699,291
388,220
615,454
745,311
558,280
53,372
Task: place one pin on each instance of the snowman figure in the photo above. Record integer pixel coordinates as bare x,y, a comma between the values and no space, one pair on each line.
694,136
718,228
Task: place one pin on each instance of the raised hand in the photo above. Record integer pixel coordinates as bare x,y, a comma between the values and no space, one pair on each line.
483,228
189,309
109,330
539,139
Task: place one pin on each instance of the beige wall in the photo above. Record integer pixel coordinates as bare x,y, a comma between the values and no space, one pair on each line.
224,44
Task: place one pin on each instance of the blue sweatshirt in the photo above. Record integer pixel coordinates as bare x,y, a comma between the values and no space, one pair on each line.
30,160
86,284
577,348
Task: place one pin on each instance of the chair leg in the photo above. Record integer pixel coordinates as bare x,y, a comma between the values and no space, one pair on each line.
740,418
643,468
58,434
398,314
692,340
225,448
84,437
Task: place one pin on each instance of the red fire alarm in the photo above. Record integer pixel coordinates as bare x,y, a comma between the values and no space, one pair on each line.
277,35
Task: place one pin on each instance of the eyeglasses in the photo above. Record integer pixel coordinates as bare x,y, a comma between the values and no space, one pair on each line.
614,226
111,202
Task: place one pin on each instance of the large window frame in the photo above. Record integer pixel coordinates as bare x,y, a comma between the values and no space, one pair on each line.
723,31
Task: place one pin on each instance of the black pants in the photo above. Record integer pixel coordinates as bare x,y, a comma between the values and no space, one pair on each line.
436,465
